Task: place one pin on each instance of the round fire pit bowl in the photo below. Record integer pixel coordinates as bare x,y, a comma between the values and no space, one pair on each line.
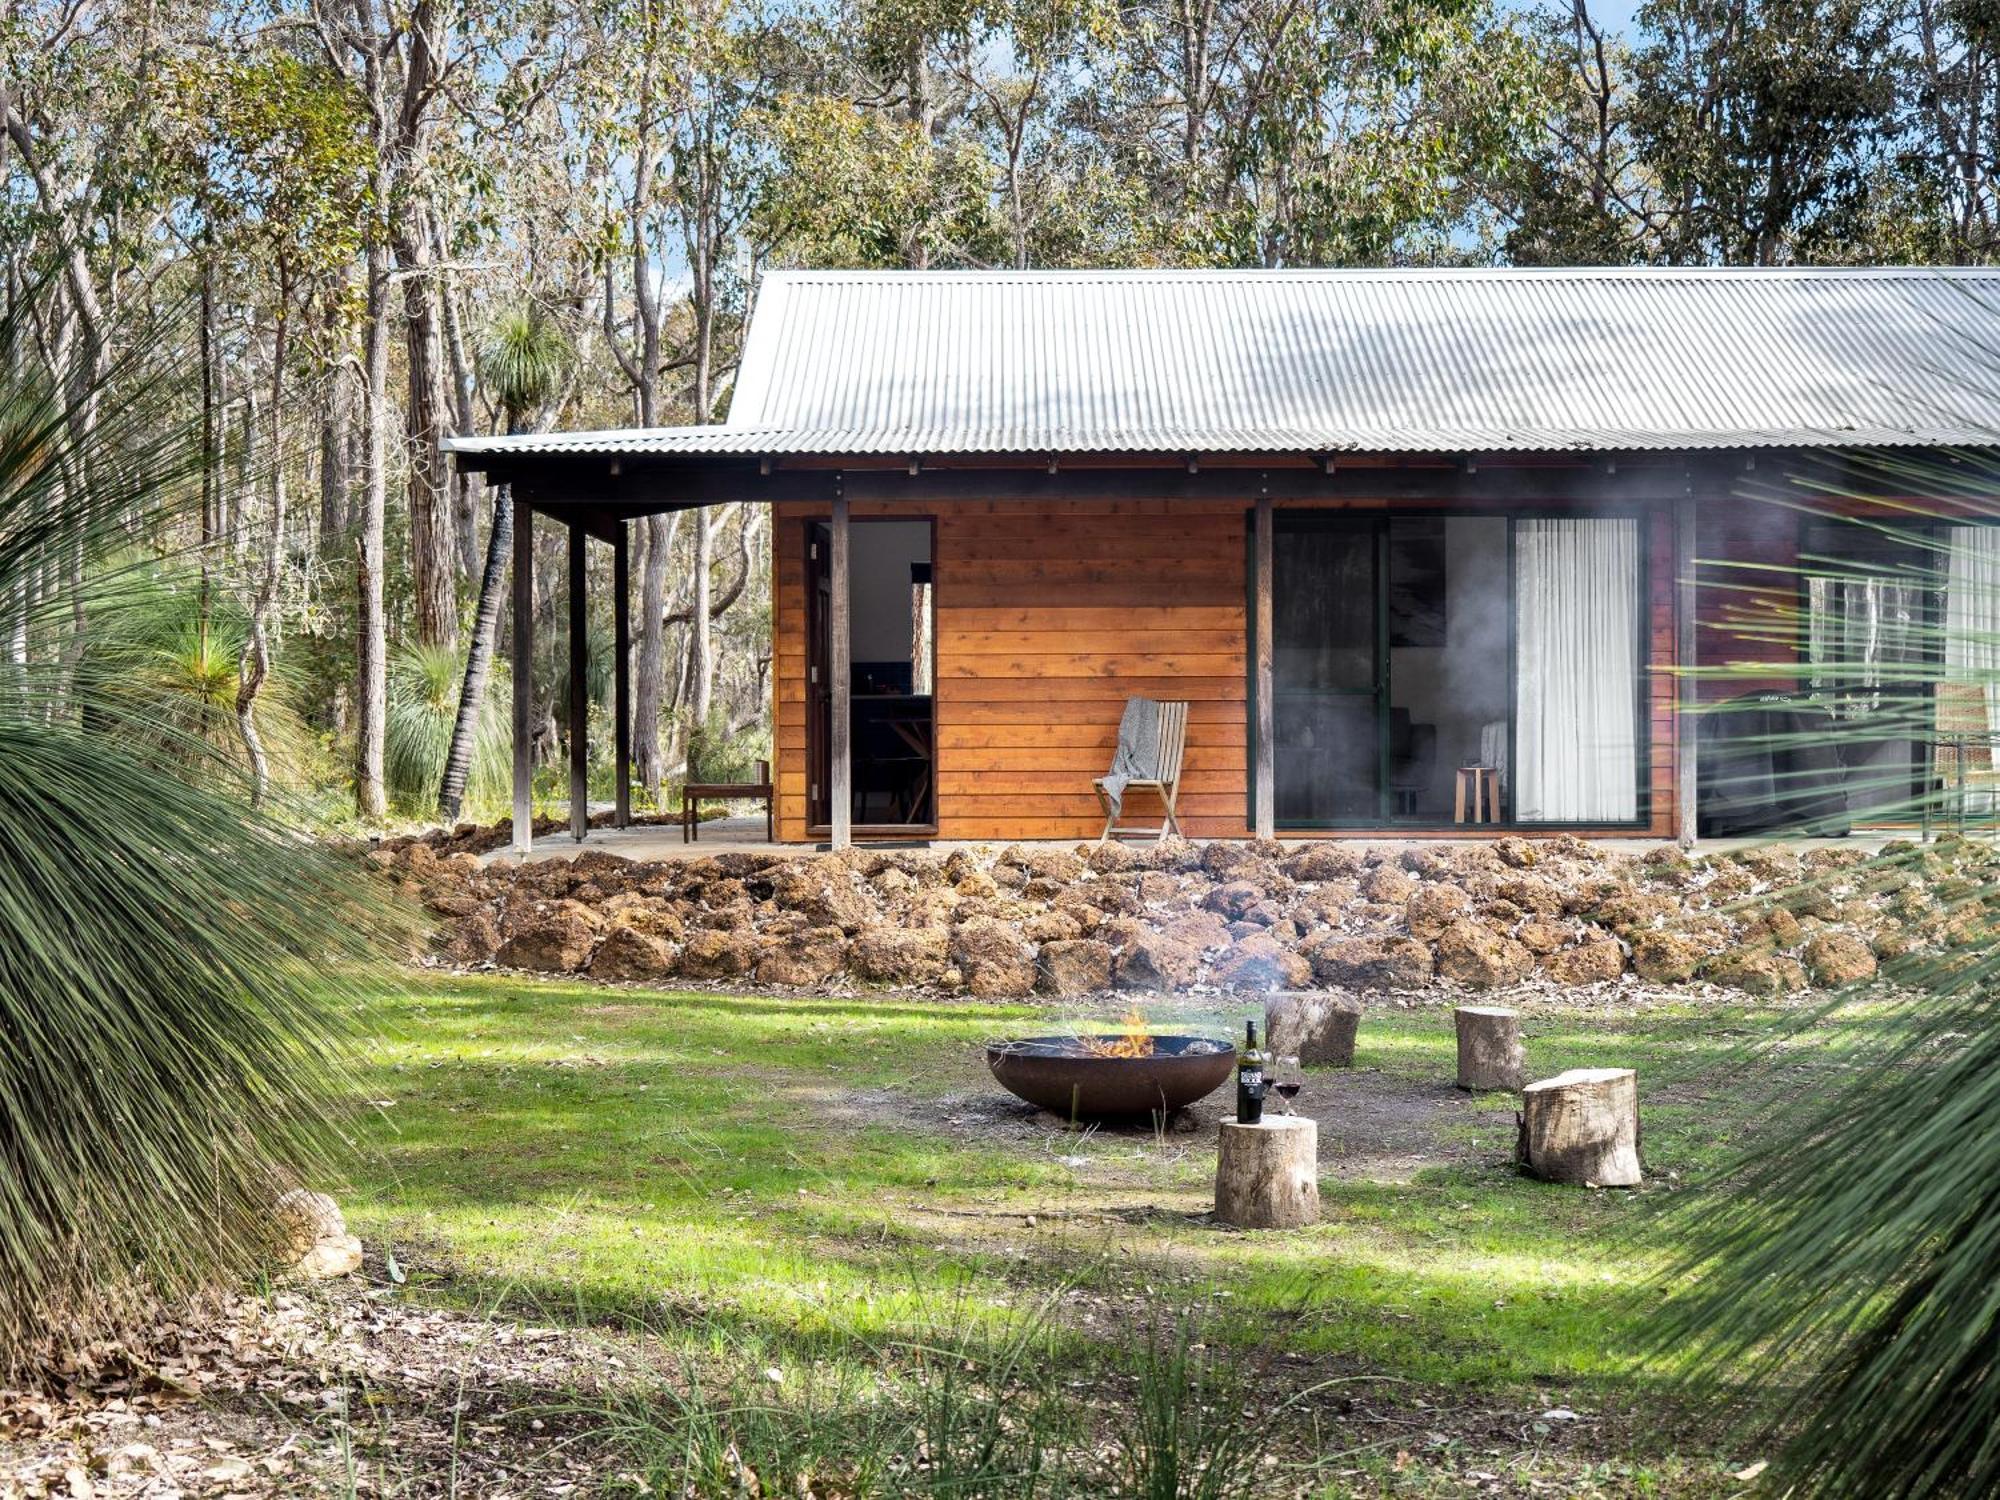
1067,1078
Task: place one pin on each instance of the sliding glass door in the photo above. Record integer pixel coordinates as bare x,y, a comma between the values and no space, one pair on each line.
1409,650
1327,669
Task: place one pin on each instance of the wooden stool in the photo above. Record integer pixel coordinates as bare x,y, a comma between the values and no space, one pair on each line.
1478,786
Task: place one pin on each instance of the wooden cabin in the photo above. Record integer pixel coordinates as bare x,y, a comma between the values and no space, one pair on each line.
1373,527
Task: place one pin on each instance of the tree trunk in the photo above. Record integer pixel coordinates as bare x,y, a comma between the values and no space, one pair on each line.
433,576
1489,1047
1267,1174
701,634
253,663
479,656
336,459
371,696
1582,1127
651,667
465,485
1314,1026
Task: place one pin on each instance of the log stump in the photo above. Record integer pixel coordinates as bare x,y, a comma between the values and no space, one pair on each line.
1582,1127
1315,1026
1489,1048
1267,1174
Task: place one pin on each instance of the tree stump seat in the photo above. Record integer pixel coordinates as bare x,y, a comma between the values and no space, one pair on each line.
1267,1174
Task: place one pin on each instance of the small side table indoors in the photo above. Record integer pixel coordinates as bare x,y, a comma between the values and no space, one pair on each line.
1478,794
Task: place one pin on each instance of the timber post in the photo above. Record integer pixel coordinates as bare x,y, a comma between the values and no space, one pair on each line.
1265,823
579,688
621,675
840,795
524,678
1686,644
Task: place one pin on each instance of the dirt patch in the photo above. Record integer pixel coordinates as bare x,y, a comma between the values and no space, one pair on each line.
1373,1126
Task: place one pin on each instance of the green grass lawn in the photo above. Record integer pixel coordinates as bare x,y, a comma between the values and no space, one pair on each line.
808,1181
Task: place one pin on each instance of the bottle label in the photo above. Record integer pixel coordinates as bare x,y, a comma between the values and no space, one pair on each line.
1251,1078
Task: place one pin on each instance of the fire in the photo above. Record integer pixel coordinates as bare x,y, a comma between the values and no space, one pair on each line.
1132,1041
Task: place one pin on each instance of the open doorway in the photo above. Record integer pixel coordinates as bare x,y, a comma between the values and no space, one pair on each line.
892,655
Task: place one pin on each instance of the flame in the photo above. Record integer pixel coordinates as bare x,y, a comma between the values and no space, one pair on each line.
1132,1041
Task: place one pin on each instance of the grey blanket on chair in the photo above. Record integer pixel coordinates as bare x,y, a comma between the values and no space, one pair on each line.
1138,757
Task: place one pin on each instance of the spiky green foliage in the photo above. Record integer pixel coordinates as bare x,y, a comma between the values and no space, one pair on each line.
523,363
424,684
161,667
1844,1284
168,1053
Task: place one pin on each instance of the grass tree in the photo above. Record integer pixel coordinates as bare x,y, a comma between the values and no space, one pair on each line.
169,960
1844,1275
523,367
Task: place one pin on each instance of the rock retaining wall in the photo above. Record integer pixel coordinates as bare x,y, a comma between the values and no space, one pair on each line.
1010,922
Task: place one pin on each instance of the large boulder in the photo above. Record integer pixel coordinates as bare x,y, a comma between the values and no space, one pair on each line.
649,914
313,1237
1435,907
713,954
827,891
1261,962
1597,962
804,959
1389,885
1072,967
1199,930
1323,861
1474,954
1543,936
1369,963
993,959
1666,957
1234,899
554,939
628,955
886,954
473,938
1837,958
1149,960
1758,972
1051,926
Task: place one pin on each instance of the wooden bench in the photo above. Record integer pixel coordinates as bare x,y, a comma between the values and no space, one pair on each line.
694,793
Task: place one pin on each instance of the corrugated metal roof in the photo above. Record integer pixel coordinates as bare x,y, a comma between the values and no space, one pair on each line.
844,362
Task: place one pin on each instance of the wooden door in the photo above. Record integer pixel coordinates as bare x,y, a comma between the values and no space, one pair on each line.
819,687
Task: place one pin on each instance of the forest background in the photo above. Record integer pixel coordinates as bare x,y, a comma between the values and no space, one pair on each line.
366,225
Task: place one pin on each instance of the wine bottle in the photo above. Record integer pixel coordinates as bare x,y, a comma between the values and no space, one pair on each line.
1249,1078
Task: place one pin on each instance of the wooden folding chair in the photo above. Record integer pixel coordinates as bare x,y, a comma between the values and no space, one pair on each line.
1963,746
1165,781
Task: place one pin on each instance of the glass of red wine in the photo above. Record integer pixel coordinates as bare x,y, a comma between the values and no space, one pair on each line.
1288,1077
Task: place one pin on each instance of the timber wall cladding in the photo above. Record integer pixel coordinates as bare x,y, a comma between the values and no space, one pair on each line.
1048,618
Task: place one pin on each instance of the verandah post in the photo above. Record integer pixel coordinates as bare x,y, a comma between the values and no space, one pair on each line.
524,680
579,688
839,771
1686,643
621,673
1265,825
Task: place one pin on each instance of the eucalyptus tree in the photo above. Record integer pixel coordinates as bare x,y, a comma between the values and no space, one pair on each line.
1768,124
523,368
279,190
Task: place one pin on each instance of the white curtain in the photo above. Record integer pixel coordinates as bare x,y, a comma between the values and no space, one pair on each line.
1972,611
1576,642
1972,627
